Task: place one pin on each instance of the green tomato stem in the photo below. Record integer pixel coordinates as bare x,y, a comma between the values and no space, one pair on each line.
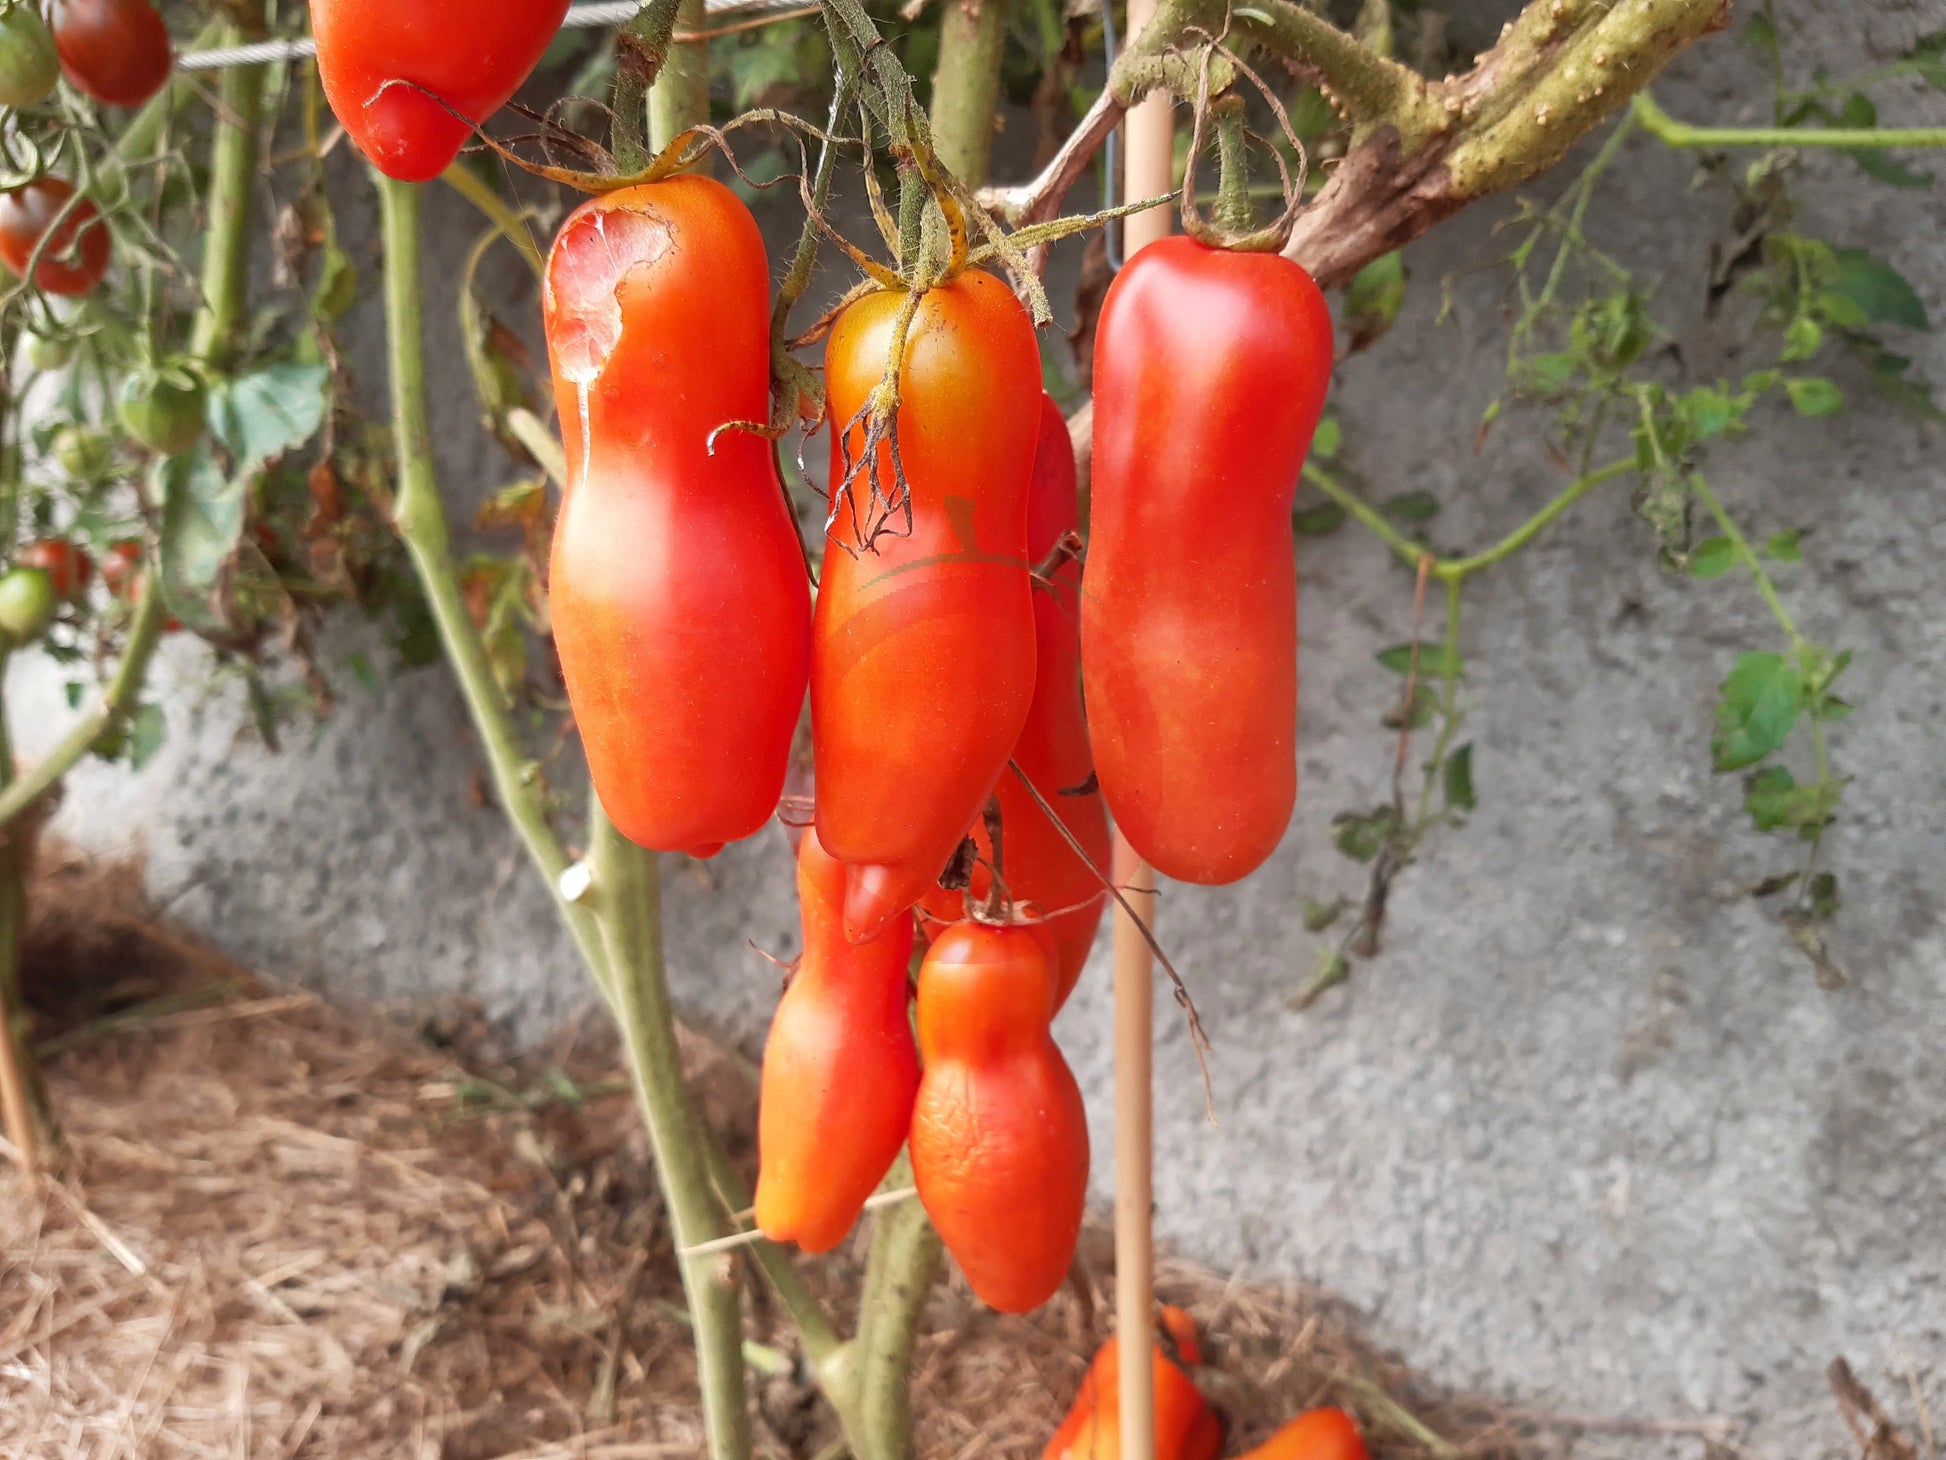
1658,123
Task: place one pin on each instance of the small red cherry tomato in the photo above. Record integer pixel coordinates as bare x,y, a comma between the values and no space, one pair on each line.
75,258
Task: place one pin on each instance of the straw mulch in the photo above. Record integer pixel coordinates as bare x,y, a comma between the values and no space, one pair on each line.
284,1230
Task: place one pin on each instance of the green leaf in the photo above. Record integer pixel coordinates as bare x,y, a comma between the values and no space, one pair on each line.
1432,660
146,731
1880,292
1411,507
1761,36
259,416
1812,395
1458,776
337,287
1760,702
1767,797
1802,338
1784,546
74,691
1546,373
254,419
1320,915
1883,166
1330,436
1712,558
1374,298
1363,837
1415,714
1319,521
1824,896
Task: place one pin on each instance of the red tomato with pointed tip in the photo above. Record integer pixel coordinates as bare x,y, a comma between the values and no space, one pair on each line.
1318,1434
680,604
999,1137
923,664
1186,1428
1210,374
76,257
840,1069
1038,864
120,566
395,73
68,568
117,51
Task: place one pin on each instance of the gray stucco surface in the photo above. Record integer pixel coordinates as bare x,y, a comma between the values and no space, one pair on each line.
1588,1132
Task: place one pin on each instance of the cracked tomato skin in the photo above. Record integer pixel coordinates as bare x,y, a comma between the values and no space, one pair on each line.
923,663
1186,1428
840,1069
680,603
75,259
1318,1434
117,51
1040,867
472,57
1210,376
999,1138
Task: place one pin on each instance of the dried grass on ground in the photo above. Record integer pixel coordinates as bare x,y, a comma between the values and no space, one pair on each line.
282,1230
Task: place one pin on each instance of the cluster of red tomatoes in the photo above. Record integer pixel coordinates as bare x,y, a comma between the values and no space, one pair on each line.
52,572
950,637
1186,1428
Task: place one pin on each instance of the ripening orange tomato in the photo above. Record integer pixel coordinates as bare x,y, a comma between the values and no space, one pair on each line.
923,663
1318,1434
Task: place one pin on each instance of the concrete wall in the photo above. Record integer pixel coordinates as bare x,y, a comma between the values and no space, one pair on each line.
1588,1131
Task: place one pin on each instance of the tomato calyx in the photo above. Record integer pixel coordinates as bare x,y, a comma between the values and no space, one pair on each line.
1230,229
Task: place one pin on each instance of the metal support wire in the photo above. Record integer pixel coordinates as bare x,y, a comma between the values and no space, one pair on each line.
591,16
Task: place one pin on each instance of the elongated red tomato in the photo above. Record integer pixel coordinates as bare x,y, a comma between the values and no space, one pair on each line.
471,57
999,1138
1210,375
117,51
75,258
1039,866
923,664
840,1068
681,608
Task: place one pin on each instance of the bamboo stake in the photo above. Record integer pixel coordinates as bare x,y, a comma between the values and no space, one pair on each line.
1151,157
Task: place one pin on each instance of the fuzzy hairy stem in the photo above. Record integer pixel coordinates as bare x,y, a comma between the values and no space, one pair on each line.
966,85
225,315
641,48
420,519
628,903
679,99
899,1275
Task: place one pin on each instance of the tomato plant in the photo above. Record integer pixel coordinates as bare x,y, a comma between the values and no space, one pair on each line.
999,1139
117,51
162,407
396,74
840,1071
923,664
69,569
680,603
74,257
1210,374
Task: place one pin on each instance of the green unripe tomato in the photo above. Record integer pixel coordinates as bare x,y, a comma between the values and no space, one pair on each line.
46,352
29,64
162,407
83,452
27,605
